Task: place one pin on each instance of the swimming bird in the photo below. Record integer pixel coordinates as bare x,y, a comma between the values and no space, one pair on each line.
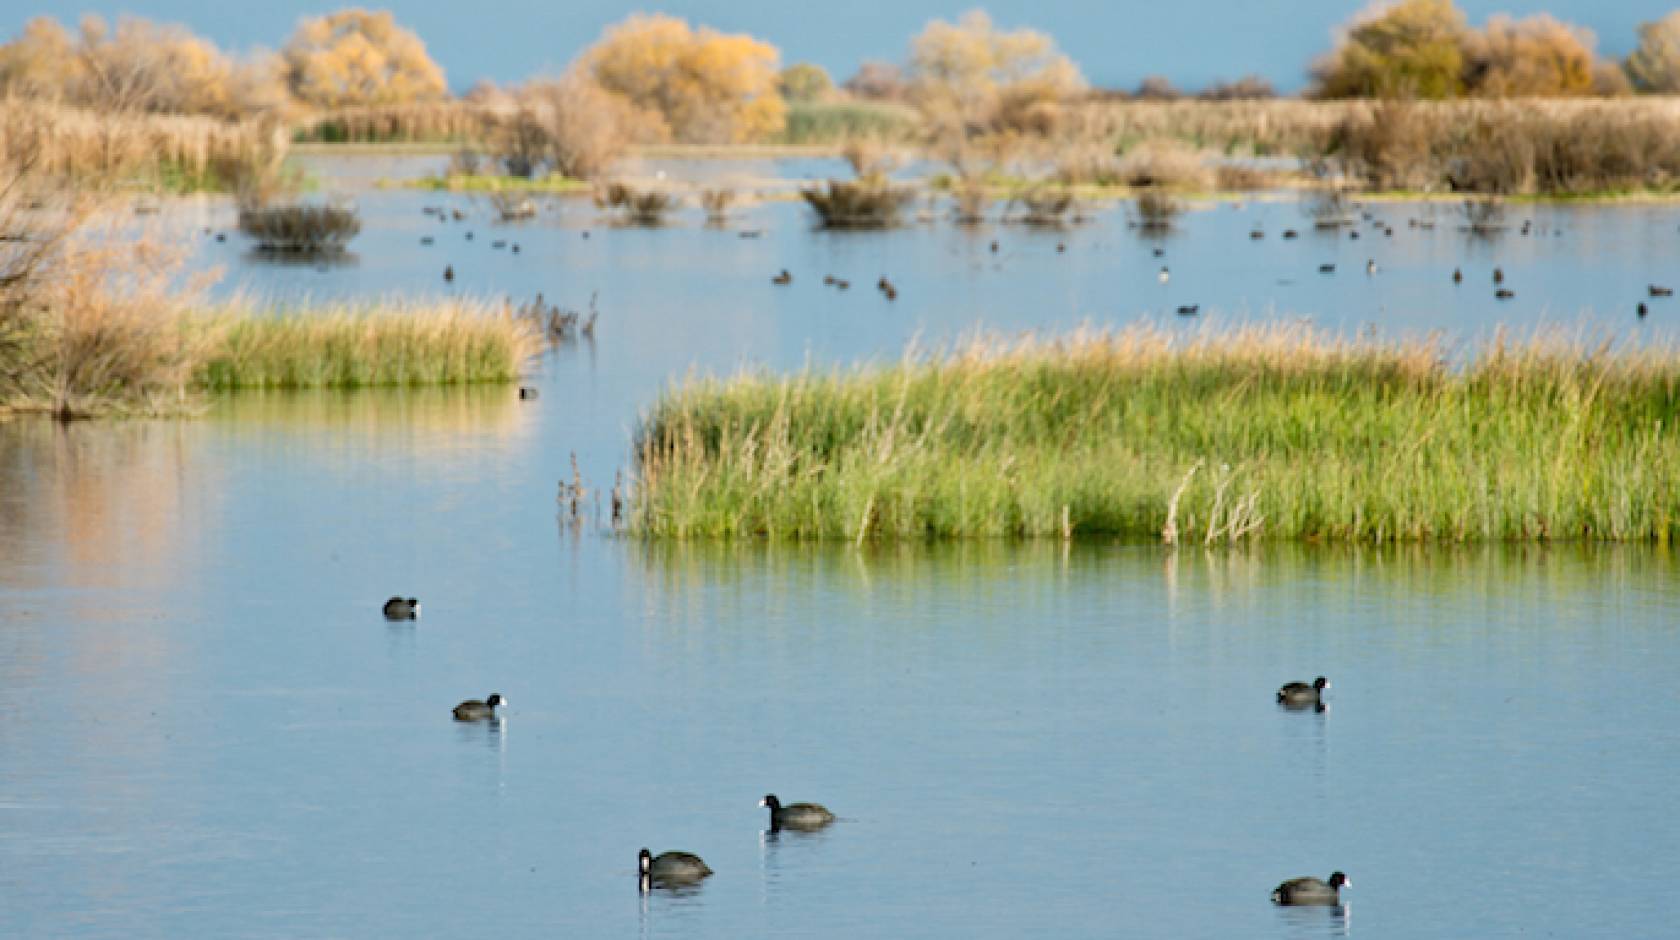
1159,252
1661,291
425,239
1327,269
1189,310
516,248
886,287
805,816
842,283
474,710
994,247
469,236
1061,247
449,272
828,280
1298,892
221,236
1353,235
1498,276
1458,276
1289,233
1641,310
782,278
1164,276
527,393
1504,294
398,608
457,214
498,244
1300,694
670,869
1256,234
1370,266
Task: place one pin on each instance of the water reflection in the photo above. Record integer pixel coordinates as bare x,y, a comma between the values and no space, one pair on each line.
1327,921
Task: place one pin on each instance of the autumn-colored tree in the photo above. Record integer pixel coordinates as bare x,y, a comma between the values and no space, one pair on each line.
1655,65
974,74
1413,48
1534,57
803,81
706,86
138,66
359,57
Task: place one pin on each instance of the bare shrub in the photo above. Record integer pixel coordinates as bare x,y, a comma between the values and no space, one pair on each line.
571,126
1239,177
1389,147
1156,209
91,318
970,198
869,202
1048,205
637,206
1089,163
717,200
300,228
1484,215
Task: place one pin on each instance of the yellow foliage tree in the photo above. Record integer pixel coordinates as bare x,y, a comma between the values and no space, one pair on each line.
983,77
707,86
1413,48
1534,57
139,66
1655,65
359,57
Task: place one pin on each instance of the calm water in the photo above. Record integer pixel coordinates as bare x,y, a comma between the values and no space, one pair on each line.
209,730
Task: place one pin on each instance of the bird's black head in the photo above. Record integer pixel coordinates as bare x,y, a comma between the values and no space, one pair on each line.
771,801
1321,683
495,700
1337,880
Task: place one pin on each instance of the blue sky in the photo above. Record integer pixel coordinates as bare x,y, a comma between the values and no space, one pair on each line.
1116,43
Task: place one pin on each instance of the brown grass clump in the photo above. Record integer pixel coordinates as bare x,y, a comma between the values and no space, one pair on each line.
717,200
1237,177
869,202
1048,205
1164,162
300,228
1157,208
637,206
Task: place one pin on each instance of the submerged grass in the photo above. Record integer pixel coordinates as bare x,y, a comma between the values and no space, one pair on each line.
1261,432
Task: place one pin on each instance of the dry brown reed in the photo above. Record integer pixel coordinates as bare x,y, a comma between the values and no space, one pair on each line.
432,122
869,202
169,151
635,205
300,227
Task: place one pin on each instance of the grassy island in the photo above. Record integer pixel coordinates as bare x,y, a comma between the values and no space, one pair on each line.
1261,432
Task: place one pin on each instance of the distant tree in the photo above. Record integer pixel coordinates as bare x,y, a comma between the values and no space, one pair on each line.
706,86
1533,57
359,57
804,81
1413,48
138,66
877,81
976,75
1247,87
1655,65
1157,88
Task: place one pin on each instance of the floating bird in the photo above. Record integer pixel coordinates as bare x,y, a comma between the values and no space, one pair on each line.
1327,269
425,239
886,287
843,284
469,236
1458,276
516,248
1370,266
782,278
751,233
805,816
586,233
1189,310
474,710
221,236
1060,247
449,272
527,393
1498,276
1289,233
1160,252
1504,294
1353,234
1310,891
498,244
1256,234
828,280
1301,695
1164,276
458,214
670,869
1657,291
398,608
994,247
1641,310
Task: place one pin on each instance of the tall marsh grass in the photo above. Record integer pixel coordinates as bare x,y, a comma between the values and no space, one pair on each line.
1262,432
444,342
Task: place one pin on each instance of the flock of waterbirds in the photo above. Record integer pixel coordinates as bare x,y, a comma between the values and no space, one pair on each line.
890,291
678,869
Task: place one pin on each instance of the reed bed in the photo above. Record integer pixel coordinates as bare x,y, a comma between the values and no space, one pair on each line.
432,122
397,343
300,228
1276,432
872,201
171,152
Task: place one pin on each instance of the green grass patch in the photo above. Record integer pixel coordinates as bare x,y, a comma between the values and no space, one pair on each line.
834,122
1263,432
442,343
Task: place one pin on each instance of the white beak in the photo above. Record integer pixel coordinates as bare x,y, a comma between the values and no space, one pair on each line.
762,803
